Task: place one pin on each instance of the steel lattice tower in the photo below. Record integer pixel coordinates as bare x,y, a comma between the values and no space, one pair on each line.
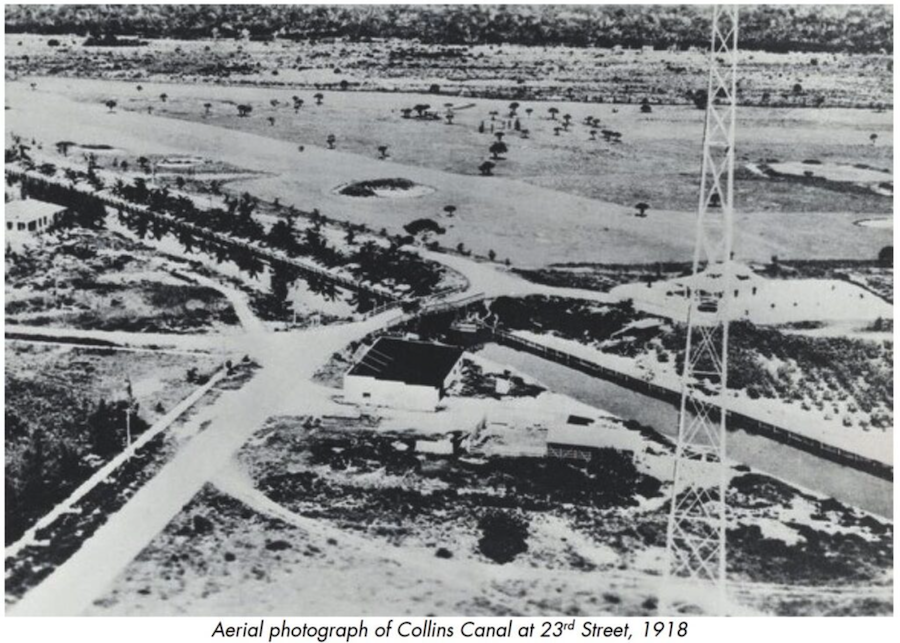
695,543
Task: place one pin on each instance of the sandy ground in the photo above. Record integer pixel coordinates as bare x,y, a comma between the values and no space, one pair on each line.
762,300
532,216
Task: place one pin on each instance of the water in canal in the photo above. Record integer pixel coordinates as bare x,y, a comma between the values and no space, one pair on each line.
783,461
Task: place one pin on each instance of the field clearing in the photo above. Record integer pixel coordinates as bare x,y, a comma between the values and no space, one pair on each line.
512,71
539,225
98,280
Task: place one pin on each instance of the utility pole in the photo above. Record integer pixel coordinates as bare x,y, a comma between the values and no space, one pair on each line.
695,539
129,408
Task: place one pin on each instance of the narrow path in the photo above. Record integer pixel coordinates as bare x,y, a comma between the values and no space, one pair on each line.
124,339
495,281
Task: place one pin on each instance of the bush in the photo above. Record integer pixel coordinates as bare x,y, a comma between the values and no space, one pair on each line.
503,536
423,225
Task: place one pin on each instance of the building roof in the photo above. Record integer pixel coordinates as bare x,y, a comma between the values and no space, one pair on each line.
400,360
30,210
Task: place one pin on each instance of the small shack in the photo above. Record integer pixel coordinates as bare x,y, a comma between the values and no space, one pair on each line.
31,217
403,374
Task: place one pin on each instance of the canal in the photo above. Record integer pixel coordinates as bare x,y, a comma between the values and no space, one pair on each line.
798,467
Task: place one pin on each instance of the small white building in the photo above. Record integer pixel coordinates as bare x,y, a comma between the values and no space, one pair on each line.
30,217
403,374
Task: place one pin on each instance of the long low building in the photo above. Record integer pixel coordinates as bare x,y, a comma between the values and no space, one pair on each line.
403,374
30,216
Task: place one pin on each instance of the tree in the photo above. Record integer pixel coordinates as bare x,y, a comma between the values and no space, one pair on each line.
497,149
63,147
499,135
528,111
886,256
642,209
449,209
503,536
567,120
492,255
164,97
486,168
420,109
873,138
319,96
553,112
244,110
513,106
646,108
206,108
406,112
298,103
111,105
274,103
449,116
699,98
593,134
144,163
271,120
382,150
331,140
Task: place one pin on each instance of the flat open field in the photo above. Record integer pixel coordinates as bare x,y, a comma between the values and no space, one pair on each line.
521,212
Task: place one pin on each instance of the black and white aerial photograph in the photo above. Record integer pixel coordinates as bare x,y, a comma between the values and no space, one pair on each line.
448,310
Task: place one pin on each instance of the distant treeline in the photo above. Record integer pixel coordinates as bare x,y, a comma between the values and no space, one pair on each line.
860,28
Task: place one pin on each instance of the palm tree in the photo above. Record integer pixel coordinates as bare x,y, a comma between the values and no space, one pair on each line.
362,300
449,209
553,112
499,135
